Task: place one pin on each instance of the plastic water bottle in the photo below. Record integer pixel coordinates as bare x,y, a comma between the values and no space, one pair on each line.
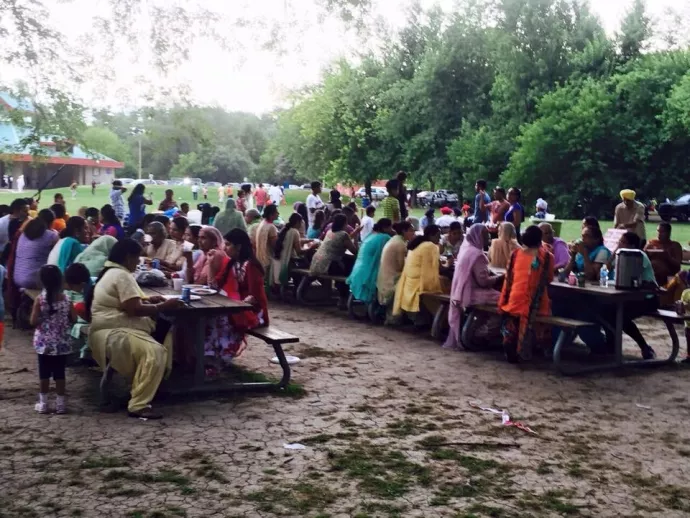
604,277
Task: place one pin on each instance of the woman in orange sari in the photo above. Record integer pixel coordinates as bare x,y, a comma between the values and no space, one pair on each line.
525,296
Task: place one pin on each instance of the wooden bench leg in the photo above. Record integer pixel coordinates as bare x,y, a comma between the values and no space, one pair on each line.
352,305
105,383
440,317
284,364
302,289
467,335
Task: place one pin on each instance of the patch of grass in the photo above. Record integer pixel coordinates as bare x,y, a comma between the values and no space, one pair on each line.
271,472
544,468
242,375
301,498
382,473
552,500
163,477
104,462
377,508
432,442
406,427
477,510
419,409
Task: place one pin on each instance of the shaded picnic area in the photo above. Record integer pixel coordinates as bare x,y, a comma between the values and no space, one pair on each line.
388,430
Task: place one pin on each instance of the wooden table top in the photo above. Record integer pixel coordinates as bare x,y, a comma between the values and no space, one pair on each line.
593,289
208,305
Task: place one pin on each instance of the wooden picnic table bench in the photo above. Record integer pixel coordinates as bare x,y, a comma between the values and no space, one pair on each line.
192,320
568,327
308,279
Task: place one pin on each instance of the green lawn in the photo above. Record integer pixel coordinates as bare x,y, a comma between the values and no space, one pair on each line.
570,230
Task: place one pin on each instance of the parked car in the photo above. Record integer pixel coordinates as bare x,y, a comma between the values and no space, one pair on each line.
438,198
679,209
377,193
291,186
126,181
305,186
161,182
211,185
145,181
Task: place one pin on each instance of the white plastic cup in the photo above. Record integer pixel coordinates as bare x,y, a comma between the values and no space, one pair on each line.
187,246
177,284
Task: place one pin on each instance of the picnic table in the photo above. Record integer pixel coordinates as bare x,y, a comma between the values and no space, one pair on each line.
618,298
192,320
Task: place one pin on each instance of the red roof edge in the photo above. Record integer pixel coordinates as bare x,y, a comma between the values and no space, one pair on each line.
113,164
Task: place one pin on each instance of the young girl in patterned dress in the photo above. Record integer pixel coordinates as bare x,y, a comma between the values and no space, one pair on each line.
52,316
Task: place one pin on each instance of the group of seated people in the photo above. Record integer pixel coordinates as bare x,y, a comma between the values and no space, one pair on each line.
246,252
396,265
127,329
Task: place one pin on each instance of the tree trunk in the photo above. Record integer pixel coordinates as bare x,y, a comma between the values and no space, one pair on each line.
367,188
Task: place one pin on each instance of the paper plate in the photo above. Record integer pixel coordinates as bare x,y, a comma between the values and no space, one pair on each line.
290,359
194,286
203,291
191,297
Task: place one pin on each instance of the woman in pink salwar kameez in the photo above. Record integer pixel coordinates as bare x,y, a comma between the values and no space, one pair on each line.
473,282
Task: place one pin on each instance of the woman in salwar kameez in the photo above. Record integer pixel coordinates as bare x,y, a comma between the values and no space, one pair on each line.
525,296
473,284
420,274
239,276
124,333
362,280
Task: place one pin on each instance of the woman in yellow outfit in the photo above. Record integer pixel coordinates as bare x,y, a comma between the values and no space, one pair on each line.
122,323
421,272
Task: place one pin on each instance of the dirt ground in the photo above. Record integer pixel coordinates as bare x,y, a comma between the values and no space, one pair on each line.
387,428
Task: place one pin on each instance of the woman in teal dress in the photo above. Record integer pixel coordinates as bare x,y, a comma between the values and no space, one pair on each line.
362,280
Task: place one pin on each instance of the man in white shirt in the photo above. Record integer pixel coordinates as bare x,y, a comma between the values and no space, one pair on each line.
368,222
195,191
276,194
446,217
314,202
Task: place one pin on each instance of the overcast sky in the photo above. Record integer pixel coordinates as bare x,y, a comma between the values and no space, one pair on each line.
248,78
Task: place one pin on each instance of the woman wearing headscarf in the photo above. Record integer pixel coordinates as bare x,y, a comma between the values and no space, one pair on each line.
502,248
525,296
198,271
96,254
70,245
362,280
473,283
230,218
288,247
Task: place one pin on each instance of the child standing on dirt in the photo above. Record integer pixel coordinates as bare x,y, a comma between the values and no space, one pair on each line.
52,316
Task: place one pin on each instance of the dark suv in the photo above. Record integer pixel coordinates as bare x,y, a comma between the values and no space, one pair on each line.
679,209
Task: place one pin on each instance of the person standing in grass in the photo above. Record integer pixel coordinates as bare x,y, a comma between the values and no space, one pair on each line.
260,196
390,206
314,201
116,201
52,316
629,215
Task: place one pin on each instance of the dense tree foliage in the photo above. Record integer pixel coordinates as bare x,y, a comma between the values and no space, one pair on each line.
530,93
